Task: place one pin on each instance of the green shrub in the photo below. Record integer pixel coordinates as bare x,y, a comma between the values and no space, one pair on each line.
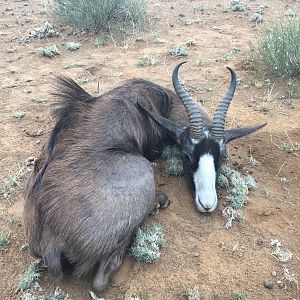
173,162
96,15
71,46
50,51
256,17
4,241
19,114
147,60
146,244
238,296
33,273
178,51
237,5
279,46
237,186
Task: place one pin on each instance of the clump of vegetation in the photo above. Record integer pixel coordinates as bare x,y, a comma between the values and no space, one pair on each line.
293,88
173,162
231,215
290,277
173,167
192,293
159,40
237,193
57,294
4,241
32,274
40,100
50,51
198,8
97,15
261,9
146,243
178,51
19,114
250,182
283,255
12,181
238,296
75,65
100,42
237,5
141,295
44,31
279,46
256,17
238,187
290,13
147,60
71,46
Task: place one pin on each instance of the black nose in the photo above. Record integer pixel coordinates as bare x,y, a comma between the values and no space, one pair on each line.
206,207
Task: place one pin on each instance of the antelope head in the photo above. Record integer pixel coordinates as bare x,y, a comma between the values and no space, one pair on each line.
203,147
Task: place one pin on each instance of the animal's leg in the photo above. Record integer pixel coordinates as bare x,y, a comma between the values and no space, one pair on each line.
52,249
107,267
162,199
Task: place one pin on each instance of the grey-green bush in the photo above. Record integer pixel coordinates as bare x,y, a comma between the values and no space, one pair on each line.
4,241
146,243
97,15
173,162
237,186
33,273
279,46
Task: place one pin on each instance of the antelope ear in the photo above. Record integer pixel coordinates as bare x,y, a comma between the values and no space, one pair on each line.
172,128
235,133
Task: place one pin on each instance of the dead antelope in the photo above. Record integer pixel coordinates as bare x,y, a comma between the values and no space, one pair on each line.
93,183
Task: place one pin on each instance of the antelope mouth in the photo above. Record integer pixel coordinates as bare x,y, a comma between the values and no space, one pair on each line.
205,210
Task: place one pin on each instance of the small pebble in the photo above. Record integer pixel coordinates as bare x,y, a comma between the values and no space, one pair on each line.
274,274
280,284
268,285
196,254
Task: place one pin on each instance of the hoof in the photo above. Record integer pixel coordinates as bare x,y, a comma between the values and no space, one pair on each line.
162,199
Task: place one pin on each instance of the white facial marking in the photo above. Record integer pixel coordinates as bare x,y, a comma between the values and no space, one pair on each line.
194,141
206,132
205,184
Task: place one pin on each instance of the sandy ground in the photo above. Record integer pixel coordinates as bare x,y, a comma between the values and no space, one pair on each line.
229,261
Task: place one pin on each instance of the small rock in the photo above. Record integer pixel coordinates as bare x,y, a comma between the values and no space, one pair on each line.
268,285
30,161
274,274
196,254
280,284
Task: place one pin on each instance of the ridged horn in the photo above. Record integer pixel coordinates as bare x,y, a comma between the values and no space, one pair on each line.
191,106
221,110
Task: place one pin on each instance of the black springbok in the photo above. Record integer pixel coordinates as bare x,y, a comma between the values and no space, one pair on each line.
93,183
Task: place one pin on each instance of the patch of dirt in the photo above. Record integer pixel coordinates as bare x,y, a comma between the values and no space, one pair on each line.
235,260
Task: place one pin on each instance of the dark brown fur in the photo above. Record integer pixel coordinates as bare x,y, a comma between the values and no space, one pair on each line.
93,184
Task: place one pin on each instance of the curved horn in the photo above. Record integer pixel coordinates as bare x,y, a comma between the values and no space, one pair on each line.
221,110
192,108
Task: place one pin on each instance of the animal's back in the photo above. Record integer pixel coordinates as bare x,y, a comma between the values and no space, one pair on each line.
92,186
